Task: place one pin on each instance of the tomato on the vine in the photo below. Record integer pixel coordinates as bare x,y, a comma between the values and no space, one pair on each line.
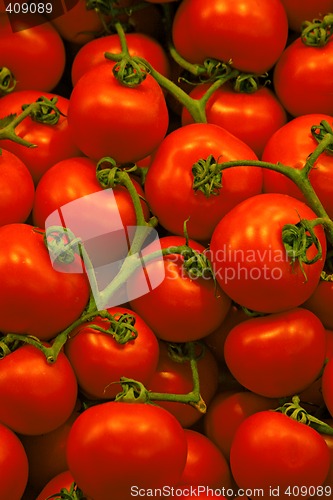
36,298
180,186
251,35
99,360
106,118
254,259
115,446
271,356
28,39
292,145
271,450
53,142
183,307
37,396
235,111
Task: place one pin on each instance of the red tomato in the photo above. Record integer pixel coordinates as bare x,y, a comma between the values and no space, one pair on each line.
249,258
227,411
14,465
203,306
78,25
29,38
174,376
256,349
140,45
115,448
320,303
235,112
53,142
47,452
37,396
299,11
258,457
124,123
172,166
99,360
250,35
37,299
291,145
63,480
302,79
205,464
17,189
327,387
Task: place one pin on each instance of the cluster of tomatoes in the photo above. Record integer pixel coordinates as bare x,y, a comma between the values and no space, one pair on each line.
208,369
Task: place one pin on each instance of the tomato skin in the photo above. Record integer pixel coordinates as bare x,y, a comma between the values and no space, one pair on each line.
256,349
138,44
250,35
24,40
234,111
320,303
53,142
172,166
235,252
108,123
291,145
175,377
327,388
299,11
13,460
107,441
17,189
302,79
37,396
98,360
227,411
205,464
37,299
203,307
271,450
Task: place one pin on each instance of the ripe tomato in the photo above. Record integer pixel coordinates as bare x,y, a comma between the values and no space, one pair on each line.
299,11
124,123
320,303
13,464
250,261
29,38
54,142
114,446
250,35
203,306
227,411
205,464
302,78
141,45
17,189
99,360
172,166
63,480
273,451
37,396
256,349
235,111
37,299
174,376
291,145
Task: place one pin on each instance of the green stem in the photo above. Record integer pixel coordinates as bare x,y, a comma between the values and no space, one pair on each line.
8,132
7,81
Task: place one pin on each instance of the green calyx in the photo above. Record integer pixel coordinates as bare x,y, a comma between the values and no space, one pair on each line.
122,329
7,81
74,493
130,72
63,246
297,239
296,412
318,32
207,176
47,111
320,131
